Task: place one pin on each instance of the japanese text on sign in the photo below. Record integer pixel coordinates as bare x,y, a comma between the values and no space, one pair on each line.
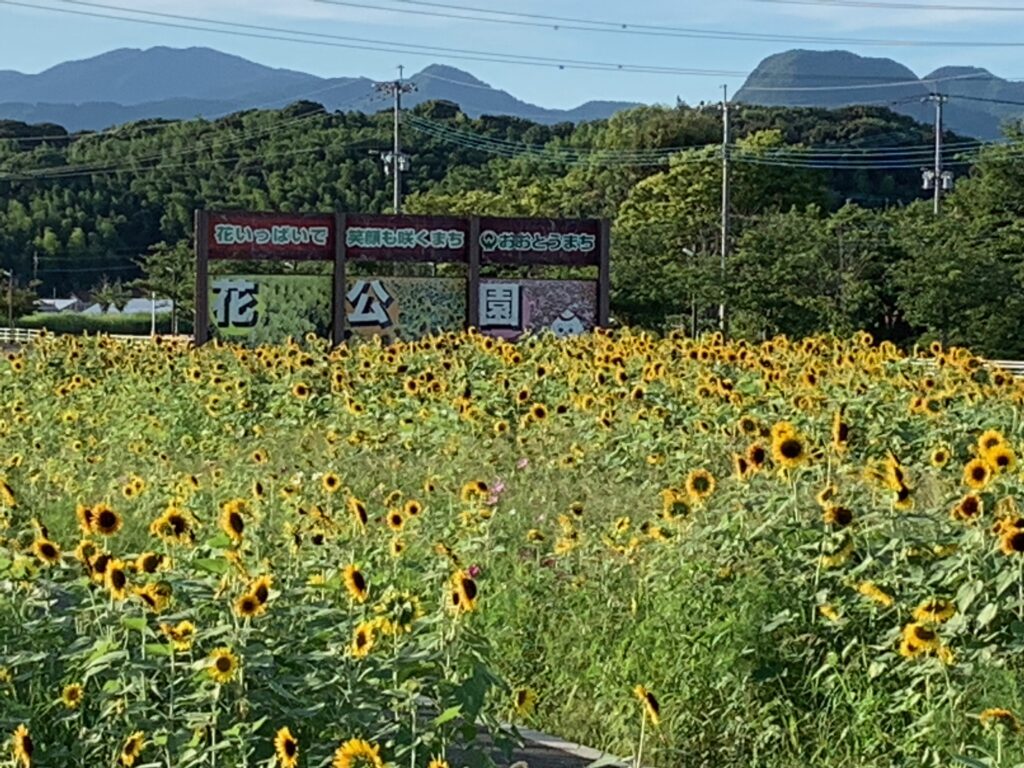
537,242
235,303
278,234
405,237
500,305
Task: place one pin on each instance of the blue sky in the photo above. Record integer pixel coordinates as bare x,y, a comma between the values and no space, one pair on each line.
32,40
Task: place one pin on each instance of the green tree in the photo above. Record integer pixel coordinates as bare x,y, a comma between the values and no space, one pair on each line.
802,272
668,237
170,273
111,294
18,300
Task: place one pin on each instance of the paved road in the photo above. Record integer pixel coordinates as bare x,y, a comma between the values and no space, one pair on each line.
543,751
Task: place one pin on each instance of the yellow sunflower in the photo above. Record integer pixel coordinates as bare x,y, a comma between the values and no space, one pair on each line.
464,592
396,520
132,748
72,695
248,607
23,746
116,579
105,521
355,583
977,474
524,701
181,634
286,747
47,551
357,753
1001,458
358,511
652,709
999,716
232,519
788,449
968,509
700,484
940,457
1012,542
937,610
363,639
223,665
871,591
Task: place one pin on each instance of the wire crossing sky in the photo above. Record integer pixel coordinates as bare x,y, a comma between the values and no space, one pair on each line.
649,50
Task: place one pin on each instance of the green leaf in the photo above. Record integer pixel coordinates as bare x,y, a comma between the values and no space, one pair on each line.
449,714
219,567
159,649
986,615
136,623
971,762
220,541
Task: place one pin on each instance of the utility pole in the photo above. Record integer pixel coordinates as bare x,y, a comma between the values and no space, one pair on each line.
394,161
9,273
937,179
725,202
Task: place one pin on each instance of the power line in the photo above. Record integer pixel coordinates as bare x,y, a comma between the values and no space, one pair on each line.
309,38
860,87
988,101
899,6
439,129
199,147
216,143
559,23
365,144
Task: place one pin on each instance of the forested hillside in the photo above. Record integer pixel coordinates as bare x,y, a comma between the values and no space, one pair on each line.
823,233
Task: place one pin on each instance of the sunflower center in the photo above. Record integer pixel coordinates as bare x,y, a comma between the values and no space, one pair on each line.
223,664
791,449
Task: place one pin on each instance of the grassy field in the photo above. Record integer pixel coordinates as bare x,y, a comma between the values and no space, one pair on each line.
715,554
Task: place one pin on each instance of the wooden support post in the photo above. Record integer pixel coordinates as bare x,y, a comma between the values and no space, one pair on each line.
604,278
338,302
473,281
202,246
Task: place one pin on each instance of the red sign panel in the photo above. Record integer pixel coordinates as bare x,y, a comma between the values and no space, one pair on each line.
406,238
275,236
540,241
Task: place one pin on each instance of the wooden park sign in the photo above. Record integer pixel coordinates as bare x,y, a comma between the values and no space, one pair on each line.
510,306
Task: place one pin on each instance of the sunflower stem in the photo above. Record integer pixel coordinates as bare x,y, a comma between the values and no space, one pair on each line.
640,747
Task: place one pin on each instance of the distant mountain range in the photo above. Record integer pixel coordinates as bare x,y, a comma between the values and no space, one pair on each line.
130,84
840,78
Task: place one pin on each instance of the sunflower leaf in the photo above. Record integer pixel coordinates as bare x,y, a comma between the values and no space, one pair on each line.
986,615
449,714
210,565
970,762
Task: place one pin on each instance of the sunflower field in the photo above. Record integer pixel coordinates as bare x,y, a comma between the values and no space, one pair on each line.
684,552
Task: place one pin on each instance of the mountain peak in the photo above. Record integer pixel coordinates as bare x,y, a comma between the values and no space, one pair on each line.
130,84
451,75
943,73
831,79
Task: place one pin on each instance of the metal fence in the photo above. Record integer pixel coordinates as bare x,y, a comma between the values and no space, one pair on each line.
26,335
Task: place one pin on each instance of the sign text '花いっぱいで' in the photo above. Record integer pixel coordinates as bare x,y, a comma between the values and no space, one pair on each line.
245,236
405,238
540,240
